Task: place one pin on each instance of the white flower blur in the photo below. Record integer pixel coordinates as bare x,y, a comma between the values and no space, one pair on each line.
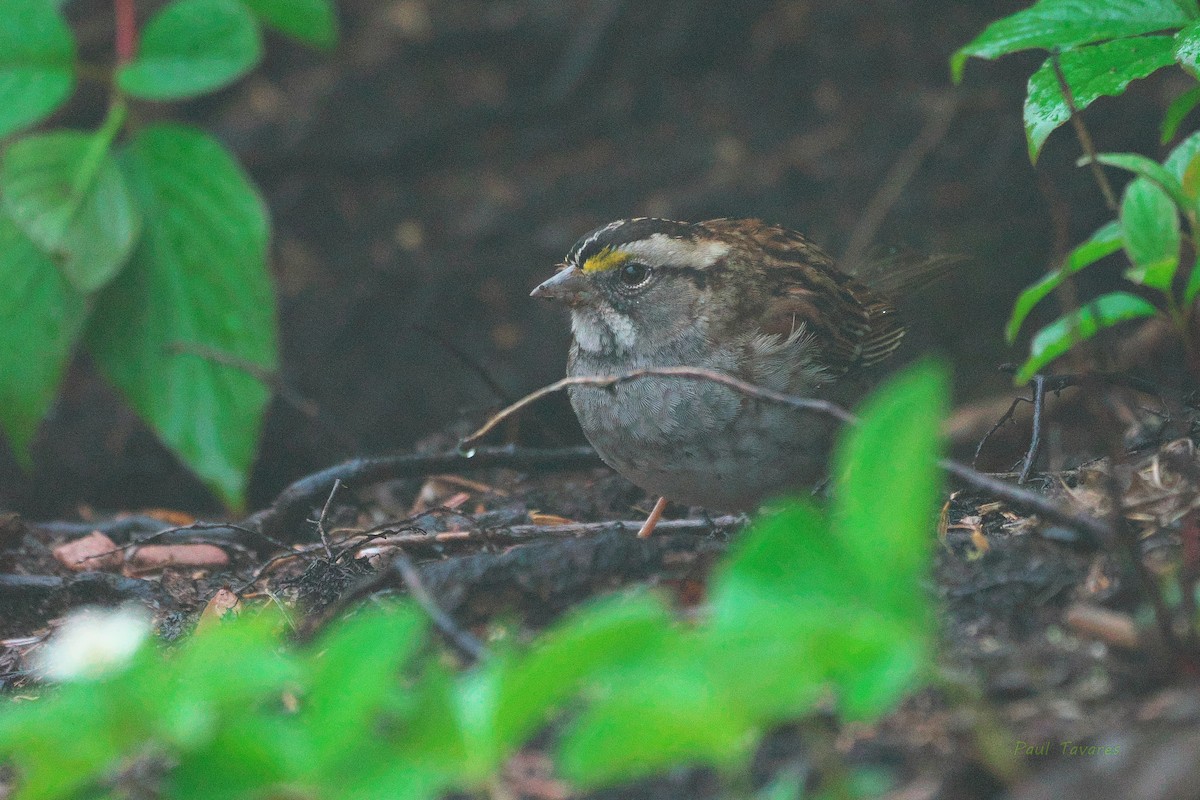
93,641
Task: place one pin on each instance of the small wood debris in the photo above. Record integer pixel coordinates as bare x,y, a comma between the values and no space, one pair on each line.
92,552
150,557
1111,627
221,605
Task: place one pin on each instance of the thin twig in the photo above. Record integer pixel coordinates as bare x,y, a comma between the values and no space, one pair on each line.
1035,437
1098,534
1081,133
1006,417
462,640
337,484
823,407
1096,531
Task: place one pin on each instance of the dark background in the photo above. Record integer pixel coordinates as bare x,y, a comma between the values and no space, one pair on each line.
429,172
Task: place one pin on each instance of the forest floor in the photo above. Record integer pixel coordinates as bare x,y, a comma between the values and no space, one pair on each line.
1061,685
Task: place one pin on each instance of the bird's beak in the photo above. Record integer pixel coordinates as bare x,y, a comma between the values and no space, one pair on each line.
566,286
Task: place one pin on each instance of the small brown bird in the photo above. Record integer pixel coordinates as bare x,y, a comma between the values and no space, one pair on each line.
755,301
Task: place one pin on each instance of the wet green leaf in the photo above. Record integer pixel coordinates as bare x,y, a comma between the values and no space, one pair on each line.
1102,243
1100,70
1063,24
1150,233
1058,337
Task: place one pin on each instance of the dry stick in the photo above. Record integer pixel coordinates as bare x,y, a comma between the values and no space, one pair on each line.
1081,133
292,506
1094,530
463,641
1006,417
902,171
692,373
1035,436
337,484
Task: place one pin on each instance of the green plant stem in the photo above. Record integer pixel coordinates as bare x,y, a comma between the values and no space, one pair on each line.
1085,138
126,24
93,158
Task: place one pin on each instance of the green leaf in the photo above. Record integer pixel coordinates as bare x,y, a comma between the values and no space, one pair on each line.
191,47
665,714
1150,233
889,488
1182,156
1149,169
37,63
313,22
1104,242
42,316
365,652
1059,336
1062,24
527,689
1101,70
198,278
65,191
1177,112
1193,285
1187,49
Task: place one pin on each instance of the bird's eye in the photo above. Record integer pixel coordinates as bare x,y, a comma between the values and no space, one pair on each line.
634,274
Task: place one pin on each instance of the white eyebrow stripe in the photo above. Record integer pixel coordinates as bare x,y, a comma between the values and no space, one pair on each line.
661,250
596,234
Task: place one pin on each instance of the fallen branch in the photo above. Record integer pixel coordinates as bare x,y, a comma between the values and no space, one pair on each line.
1095,531
686,373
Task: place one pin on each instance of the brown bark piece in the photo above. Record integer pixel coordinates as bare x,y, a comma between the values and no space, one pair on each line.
159,556
89,553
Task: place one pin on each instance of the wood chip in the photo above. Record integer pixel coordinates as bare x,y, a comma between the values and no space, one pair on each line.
158,556
1110,627
538,518
92,552
221,605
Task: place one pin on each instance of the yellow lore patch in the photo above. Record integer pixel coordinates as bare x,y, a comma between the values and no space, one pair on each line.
606,259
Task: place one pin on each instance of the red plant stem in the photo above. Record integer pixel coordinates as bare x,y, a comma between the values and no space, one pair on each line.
126,30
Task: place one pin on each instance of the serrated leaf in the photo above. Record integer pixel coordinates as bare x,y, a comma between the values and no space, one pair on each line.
1063,24
191,47
1150,233
1101,70
65,191
37,63
42,316
313,22
1177,112
198,278
1058,337
1104,242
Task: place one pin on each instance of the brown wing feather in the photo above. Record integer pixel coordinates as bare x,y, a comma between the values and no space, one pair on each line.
853,326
